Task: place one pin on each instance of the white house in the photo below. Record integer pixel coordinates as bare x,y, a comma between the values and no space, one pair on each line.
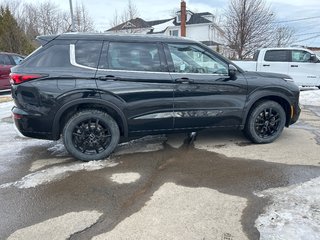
199,26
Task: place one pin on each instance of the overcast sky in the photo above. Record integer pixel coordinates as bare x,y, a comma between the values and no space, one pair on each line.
102,12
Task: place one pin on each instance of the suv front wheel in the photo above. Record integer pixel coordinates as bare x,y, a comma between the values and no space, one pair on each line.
91,135
265,122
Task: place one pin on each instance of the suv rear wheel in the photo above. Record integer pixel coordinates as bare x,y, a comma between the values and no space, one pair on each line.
91,135
265,122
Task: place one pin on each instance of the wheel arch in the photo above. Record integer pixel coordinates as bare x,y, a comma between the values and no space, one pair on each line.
67,110
279,98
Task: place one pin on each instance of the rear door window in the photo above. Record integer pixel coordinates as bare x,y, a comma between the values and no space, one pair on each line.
87,53
277,56
133,56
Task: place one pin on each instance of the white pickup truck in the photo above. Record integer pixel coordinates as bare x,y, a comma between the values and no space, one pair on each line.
301,64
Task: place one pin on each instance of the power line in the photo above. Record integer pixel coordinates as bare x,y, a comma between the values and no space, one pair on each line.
303,34
317,36
297,20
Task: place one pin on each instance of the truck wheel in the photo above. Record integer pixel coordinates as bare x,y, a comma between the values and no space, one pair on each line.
91,135
265,122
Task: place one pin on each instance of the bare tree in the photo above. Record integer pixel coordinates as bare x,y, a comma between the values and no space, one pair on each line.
129,13
283,36
48,18
249,25
83,22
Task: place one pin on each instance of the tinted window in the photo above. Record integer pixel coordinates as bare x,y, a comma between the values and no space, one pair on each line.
54,56
277,56
192,59
134,56
17,59
5,60
88,53
300,56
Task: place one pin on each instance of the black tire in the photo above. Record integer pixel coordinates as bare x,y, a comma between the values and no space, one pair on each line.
91,135
265,122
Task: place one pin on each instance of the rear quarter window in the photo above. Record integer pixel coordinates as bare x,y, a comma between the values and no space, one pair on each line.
53,56
87,53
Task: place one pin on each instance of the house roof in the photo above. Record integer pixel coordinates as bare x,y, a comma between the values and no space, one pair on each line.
196,18
157,22
131,24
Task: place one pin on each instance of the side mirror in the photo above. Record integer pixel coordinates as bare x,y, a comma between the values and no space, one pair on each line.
313,58
232,72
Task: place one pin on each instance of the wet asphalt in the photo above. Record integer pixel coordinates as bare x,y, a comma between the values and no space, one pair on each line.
83,190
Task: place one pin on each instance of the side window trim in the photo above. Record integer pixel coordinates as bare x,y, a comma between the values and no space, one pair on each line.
73,58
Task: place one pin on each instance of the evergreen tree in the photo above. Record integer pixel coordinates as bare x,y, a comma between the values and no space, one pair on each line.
12,38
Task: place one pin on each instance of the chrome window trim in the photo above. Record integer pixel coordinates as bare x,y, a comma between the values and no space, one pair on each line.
73,59
74,63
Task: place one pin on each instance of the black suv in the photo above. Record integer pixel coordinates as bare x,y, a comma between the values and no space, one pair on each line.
95,88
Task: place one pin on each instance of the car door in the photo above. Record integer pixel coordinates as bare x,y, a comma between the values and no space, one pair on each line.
276,61
5,65
135,72
204,94
303,71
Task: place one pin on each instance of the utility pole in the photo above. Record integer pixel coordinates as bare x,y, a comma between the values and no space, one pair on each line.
72,19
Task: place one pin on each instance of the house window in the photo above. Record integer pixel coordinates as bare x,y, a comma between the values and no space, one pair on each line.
174,33
179,18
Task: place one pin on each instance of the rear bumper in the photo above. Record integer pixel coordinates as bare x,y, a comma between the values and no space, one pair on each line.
30,125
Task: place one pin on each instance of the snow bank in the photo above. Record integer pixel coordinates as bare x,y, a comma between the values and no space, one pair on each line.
310,97
294,213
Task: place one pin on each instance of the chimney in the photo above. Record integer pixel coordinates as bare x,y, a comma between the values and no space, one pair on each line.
183,13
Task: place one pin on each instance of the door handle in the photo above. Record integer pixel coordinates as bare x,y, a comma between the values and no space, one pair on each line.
183,80
266,65
108,77
294,66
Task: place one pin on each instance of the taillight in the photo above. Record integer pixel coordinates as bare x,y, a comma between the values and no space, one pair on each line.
16,78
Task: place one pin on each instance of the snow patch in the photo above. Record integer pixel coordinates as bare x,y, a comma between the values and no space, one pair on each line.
125,178
58,150
162,26
310,97
36,165
5,109
56,173
294,213
55,228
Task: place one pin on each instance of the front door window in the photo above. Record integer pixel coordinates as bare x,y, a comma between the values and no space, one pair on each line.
191,59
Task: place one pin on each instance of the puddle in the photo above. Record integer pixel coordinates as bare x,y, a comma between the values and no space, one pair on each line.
195,168
185,166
